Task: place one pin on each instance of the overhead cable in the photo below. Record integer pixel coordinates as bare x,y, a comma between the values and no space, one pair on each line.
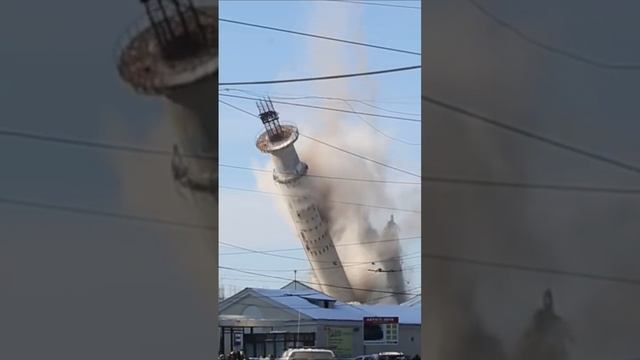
325,108
318,78
318,36
321,284
331,201
550,48
532,135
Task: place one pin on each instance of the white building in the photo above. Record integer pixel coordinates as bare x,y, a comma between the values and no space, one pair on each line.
268,321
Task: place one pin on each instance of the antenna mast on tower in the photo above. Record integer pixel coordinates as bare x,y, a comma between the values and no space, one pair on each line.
270,119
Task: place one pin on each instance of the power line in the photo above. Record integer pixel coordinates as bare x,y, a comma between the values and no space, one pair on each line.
532,269
95,144
434,179
519,185
378,4
159,221
237,108
316,261
318,36
378,181
361,156
476,182
337,245
247,279
387,296
102,213
401,258
126,148
324,108
121,216
353,110
277,270
331,201
380,131
549,48
413,267
515,185
363,102
340,1
532,135
319,284
328,77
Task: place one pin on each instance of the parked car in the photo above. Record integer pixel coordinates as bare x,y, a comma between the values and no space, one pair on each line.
308,354
383,356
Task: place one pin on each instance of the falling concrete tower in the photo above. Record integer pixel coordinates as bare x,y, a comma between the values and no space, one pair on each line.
172,53
289,173
393,266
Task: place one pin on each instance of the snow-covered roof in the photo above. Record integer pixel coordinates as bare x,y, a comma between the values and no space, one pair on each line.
296,300
297,285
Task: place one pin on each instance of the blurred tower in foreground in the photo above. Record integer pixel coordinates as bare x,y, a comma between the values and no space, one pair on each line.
173,53
289,174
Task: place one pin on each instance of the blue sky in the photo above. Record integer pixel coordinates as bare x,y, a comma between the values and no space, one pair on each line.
246,54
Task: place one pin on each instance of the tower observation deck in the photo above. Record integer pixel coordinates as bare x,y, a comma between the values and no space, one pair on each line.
289,174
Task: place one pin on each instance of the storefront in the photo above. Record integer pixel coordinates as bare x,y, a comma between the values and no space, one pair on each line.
263,322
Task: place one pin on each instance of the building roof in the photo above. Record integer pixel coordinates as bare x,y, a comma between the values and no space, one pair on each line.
297,285
296,300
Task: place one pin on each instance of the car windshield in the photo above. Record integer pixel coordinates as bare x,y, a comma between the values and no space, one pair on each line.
392,357
311,355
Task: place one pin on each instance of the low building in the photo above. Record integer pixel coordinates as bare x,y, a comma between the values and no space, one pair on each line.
264,322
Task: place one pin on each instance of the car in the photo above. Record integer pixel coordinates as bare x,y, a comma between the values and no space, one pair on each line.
364,357
391,356
308,354
383,356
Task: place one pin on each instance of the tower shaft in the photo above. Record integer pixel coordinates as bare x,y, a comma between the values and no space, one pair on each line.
313,232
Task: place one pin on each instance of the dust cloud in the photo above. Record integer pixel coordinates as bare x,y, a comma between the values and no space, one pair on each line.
471,62
351,224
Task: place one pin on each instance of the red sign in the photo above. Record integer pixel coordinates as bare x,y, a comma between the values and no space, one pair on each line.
380,320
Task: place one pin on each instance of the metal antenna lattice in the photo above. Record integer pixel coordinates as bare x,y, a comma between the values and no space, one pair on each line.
177,28
270,119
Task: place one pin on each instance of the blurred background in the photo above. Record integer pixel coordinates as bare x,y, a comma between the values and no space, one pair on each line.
531,172
93,261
